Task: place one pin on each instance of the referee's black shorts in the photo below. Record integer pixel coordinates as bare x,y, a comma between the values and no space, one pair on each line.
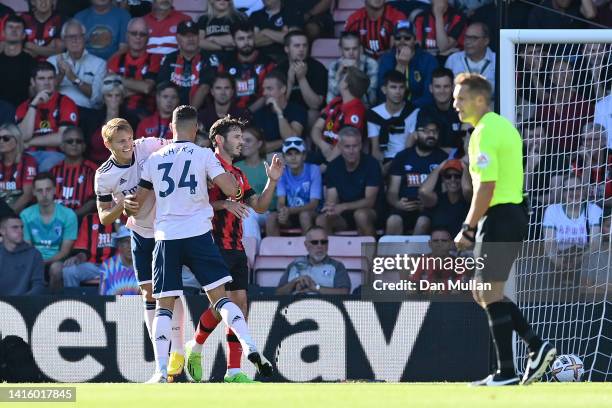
237,264
499,240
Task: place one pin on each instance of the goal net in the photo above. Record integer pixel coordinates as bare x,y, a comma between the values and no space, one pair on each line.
555,85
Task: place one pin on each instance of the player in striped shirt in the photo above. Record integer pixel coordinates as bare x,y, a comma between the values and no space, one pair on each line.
117,178
226,137
178,175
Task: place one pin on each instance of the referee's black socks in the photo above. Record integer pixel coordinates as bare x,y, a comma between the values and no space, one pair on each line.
522,327
501,326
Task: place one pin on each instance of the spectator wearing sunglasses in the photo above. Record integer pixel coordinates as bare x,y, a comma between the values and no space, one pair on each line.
446,196
17,170
315,273
416,65
138,69
298,191
74,176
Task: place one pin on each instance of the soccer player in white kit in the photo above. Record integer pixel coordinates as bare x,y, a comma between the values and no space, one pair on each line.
177,176
117,178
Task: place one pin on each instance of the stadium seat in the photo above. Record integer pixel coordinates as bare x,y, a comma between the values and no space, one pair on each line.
349,5
193,8
250,248
325,50
340,17
20,6
420,244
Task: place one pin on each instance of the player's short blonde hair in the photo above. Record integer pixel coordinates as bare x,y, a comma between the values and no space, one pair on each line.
114,126
476,83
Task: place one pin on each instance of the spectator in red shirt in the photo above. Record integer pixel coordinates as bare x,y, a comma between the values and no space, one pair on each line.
43,27
162,22
248,66
43,118
374,23
344,110
441,31
158,124
222,92
138,68
17,170
93,245
74,176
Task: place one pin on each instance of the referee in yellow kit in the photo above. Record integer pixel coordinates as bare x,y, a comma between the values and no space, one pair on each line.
497,221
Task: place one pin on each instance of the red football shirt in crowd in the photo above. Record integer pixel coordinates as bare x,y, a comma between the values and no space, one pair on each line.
58,111
42,33
74,183
146,66
15,176
375,34
425,28
162,33
249,77
337,115
95,239
154,126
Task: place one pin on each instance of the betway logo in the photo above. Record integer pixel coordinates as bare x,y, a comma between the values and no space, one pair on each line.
386,356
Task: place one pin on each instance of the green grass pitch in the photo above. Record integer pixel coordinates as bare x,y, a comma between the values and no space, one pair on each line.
350,395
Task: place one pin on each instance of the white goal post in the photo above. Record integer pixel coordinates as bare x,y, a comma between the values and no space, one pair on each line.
558,102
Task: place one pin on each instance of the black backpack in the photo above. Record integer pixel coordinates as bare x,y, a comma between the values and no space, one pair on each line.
17,361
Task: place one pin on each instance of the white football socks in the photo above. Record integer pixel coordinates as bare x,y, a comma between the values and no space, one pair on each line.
162,329
232,316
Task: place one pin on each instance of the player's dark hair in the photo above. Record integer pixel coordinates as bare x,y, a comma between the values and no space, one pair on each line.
278,75
348,35
357,81
44,176
223,126
242,25
14,18
476,84
224,75
442,72
394,76
162,86
43,66
183,114
294,33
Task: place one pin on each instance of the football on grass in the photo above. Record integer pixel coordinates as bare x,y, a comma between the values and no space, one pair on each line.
568,368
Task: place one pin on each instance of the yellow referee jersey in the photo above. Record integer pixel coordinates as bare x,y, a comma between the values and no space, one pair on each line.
496,154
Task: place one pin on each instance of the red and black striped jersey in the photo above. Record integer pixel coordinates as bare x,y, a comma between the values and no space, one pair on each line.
96,239
74,183
249,76
154,126
14,177
227,228
338,115
42,33
58,111
145,66
425,28
375,34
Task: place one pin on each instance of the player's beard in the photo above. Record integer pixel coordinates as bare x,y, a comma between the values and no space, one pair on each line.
246,51
424,146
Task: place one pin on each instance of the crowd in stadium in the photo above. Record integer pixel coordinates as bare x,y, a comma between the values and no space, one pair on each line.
370,139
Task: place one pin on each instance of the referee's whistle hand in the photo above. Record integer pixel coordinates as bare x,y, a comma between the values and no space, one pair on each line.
461,242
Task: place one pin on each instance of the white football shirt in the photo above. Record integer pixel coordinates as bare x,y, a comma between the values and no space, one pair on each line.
178,175
114,181
571,232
